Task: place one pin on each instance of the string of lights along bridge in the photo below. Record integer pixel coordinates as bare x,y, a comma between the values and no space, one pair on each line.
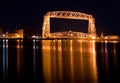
68,34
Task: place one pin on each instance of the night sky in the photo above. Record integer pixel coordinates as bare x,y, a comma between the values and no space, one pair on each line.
29,13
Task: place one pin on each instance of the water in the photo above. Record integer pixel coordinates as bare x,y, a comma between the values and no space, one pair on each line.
59,61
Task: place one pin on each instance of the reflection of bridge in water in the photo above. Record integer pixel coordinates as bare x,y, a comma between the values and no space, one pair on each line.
68,34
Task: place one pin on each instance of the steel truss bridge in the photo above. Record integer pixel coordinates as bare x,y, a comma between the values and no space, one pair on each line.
68,15
69,34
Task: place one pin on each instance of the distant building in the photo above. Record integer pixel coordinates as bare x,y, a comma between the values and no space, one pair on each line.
112,37
102,36
20,33
17,34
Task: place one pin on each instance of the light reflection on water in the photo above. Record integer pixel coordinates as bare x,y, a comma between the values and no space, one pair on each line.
5,58
69,60
34,57
60,61
19,57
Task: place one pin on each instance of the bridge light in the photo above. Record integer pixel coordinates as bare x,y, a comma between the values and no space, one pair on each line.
69,15
93,37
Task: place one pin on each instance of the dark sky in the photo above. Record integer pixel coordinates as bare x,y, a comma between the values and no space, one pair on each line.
29,13
68,24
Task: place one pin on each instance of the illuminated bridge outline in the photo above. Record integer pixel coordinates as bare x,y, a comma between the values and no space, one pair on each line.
68,15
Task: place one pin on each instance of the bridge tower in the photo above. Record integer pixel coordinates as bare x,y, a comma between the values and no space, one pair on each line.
91,27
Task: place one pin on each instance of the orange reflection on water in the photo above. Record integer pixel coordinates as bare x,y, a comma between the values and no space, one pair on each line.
60,60
70,61
19,57
46,60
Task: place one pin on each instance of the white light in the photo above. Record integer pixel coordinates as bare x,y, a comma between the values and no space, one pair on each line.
3,35
93,37
33,36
